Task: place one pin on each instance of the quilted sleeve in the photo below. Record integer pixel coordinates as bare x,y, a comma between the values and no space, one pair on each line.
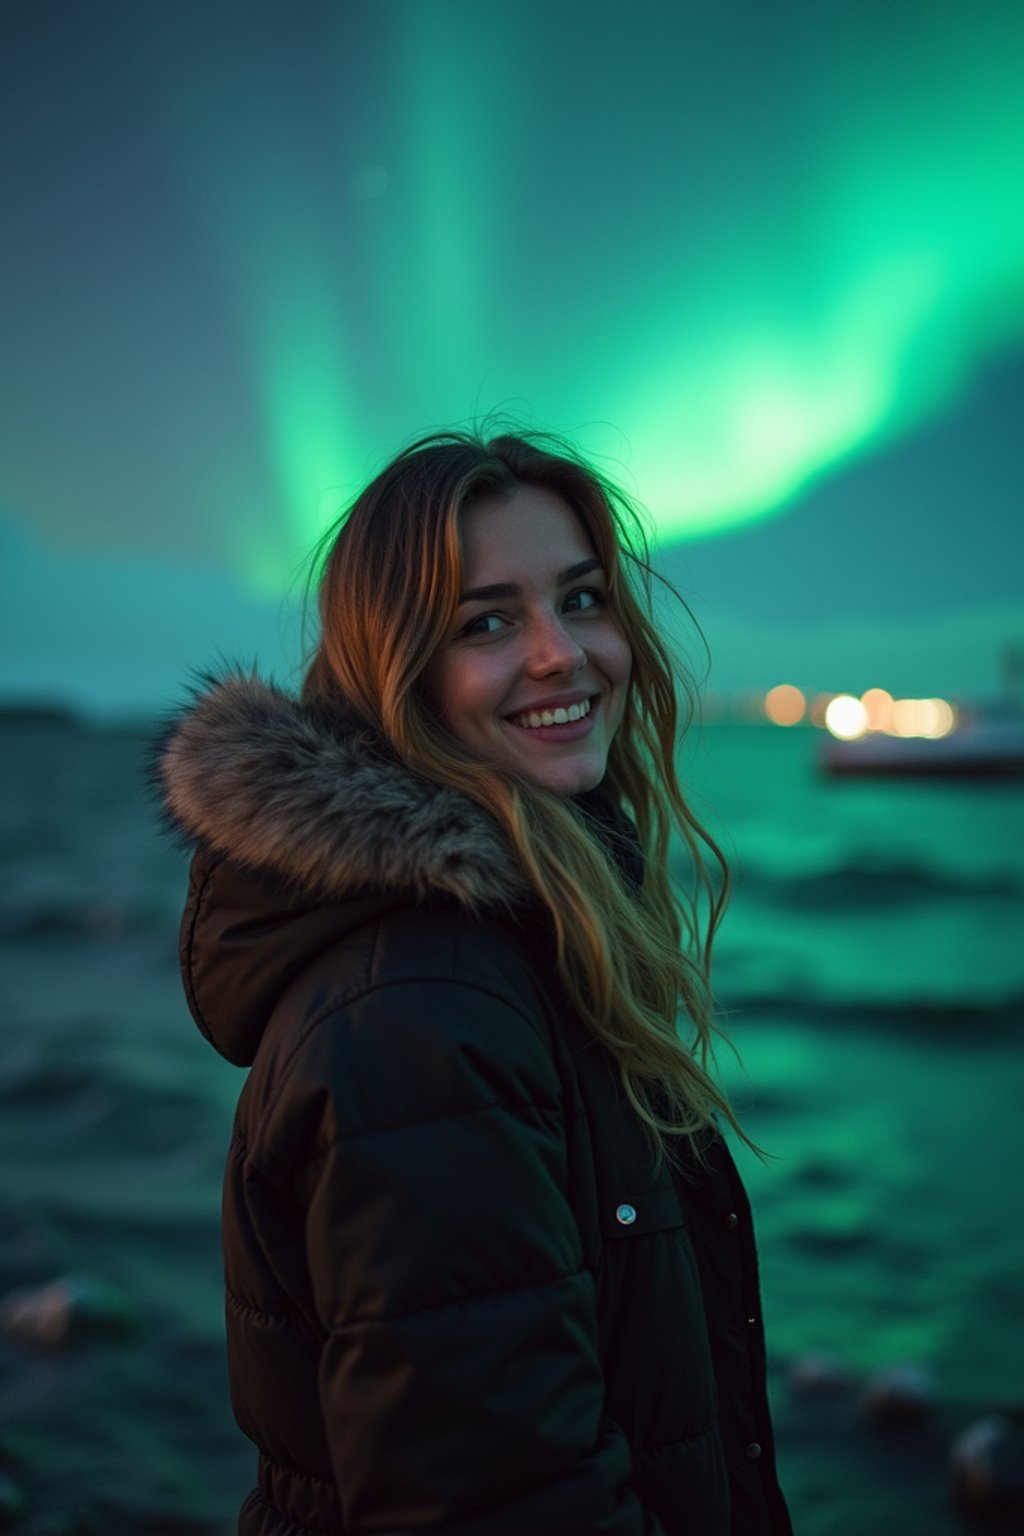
460,1383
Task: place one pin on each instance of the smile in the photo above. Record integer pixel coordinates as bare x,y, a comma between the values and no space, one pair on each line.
532,719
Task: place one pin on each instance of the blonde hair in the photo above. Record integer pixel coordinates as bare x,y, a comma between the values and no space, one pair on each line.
388,596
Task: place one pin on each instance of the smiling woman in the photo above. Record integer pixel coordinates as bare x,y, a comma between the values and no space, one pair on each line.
490,1266
537,685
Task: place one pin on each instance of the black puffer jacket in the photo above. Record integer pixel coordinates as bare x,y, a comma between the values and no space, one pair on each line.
459,1299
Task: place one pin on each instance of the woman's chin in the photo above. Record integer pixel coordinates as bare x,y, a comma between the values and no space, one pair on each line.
573,777
564,768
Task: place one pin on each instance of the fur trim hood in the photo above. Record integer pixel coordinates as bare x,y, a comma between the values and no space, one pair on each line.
317,799
307,827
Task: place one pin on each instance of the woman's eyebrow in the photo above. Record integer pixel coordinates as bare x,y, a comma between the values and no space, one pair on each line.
509,589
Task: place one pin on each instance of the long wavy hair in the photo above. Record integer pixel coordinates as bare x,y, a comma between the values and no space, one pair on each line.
635,964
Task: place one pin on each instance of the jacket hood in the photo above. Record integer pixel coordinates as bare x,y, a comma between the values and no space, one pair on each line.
319,800
305,826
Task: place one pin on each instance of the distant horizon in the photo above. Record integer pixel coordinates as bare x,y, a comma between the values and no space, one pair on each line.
740,706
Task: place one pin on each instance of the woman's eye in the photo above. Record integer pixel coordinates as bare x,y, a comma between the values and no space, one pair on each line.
482,624
585,598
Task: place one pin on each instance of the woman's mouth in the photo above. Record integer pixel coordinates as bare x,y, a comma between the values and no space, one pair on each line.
568,723
531,719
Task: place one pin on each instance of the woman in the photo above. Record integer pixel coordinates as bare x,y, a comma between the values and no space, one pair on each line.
490,1269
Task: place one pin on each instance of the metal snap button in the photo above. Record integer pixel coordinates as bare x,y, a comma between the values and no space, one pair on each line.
626,1214
732,1220
753,1450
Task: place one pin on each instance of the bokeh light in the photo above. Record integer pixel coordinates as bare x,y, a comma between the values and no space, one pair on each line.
922,717
785,705
878,703
846,717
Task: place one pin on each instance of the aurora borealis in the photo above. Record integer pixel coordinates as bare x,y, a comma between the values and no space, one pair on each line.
730,249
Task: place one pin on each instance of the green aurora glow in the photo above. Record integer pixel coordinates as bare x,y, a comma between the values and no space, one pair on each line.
723,249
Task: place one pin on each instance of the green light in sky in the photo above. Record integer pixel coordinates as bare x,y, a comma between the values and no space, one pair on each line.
736,430
269,222
755,327
308,422
295,327
444,97
911,256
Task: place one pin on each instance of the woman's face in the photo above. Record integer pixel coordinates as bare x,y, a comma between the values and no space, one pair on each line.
534,645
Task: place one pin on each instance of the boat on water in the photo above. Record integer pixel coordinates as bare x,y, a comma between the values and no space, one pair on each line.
982,747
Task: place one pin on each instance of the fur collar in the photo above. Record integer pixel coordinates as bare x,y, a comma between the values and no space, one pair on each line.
320,801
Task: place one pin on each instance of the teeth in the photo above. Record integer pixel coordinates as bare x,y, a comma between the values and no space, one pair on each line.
553,716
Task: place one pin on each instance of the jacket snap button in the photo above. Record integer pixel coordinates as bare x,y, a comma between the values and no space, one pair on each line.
732,1220
626,1214
753,1450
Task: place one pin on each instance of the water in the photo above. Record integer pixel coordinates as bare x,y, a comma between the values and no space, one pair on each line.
873,895
873,974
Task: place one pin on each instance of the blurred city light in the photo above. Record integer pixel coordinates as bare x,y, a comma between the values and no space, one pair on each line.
785,705
875,711
846,717
922,717
878,702
945,717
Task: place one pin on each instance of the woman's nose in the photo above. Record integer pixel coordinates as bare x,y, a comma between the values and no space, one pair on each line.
553,649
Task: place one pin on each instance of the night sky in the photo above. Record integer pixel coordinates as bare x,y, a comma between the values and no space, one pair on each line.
765,263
